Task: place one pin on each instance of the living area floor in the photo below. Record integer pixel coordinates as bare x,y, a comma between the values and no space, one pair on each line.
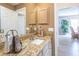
68,47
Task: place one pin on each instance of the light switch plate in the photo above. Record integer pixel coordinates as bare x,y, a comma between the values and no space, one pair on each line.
50,29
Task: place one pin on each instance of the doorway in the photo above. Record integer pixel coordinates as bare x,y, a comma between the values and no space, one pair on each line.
66,18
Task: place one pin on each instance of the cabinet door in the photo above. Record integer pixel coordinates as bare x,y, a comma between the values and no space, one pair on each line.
45,49
32,17
43,16
50,48
50,52
49,44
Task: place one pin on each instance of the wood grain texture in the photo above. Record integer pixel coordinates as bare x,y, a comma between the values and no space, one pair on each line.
7,5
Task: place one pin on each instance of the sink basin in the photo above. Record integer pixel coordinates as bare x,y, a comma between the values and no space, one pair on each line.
37,41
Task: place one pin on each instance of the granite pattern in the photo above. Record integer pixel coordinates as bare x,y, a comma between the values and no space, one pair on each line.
29,49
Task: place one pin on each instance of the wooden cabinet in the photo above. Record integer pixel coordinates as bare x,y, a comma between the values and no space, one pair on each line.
39,16
42,16
32,17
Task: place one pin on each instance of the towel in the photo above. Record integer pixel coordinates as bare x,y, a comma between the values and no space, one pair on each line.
13,44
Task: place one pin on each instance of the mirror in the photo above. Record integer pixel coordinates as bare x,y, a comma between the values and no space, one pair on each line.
13,20
21,15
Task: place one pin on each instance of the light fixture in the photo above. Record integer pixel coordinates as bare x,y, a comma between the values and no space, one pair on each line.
27,28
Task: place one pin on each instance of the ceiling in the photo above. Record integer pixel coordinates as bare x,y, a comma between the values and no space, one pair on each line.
14,4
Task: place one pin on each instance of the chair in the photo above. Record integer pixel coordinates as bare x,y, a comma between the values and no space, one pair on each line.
73,34
78,32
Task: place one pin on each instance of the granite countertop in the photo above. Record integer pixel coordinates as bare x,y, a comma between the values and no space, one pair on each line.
29,49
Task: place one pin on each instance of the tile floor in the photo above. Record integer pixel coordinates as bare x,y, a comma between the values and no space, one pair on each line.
68,47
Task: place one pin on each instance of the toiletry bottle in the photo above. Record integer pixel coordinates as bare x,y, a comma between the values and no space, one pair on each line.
41,31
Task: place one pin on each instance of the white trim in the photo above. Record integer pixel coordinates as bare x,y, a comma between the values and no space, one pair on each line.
55,18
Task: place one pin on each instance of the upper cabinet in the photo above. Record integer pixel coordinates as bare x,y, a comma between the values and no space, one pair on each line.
31,13
39,16
38,13
42,16
32,17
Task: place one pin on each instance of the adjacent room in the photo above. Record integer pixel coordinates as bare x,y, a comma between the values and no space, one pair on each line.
67,29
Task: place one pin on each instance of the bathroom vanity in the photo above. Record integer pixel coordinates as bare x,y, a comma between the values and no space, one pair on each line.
32,48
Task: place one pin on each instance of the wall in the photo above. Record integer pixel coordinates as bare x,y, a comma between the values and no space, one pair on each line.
8,19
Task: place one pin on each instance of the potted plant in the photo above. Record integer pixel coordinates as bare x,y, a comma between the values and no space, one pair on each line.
64,26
